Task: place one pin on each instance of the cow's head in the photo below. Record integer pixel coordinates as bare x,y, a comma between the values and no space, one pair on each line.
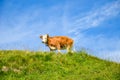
44,38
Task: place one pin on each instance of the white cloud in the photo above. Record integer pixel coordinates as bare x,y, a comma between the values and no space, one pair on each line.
96,17
93,19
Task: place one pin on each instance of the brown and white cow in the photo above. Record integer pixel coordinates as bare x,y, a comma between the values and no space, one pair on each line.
57,42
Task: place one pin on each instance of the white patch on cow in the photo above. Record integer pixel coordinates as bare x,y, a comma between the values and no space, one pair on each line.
44,38
52,47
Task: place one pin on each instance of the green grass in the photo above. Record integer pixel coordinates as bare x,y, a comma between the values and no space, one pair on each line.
26,65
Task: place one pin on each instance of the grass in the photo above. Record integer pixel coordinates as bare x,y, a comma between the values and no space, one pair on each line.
26,65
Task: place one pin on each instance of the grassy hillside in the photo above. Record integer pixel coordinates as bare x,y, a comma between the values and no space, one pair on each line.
25,65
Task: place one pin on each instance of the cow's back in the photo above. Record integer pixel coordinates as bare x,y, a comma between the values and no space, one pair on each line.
63,40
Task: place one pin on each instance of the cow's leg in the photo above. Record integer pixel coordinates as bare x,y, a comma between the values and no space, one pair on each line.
69,49
58,48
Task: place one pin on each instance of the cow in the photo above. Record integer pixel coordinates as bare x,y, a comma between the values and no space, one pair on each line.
57,42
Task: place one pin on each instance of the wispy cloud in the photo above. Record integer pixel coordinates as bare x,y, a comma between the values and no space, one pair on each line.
95,17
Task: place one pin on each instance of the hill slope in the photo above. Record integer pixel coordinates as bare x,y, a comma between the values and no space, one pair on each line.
25,65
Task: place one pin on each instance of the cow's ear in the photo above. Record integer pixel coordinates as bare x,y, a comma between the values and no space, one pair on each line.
47,35
41,37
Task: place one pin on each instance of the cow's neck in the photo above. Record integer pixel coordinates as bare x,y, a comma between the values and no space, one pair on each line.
47,42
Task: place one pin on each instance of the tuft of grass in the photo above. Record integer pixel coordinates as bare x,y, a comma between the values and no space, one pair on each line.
26,65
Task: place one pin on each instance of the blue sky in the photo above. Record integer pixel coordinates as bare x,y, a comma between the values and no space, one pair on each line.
93,24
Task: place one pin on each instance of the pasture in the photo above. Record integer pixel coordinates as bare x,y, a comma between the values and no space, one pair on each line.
27,65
